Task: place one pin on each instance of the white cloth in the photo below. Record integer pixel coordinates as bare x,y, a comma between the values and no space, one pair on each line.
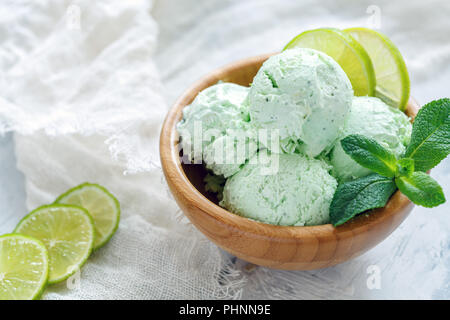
80,90
83,97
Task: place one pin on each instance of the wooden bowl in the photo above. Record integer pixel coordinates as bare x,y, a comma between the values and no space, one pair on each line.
279,247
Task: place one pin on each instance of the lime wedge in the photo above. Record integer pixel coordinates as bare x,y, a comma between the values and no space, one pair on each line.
390,69
23,267
347,52
101,204
68,234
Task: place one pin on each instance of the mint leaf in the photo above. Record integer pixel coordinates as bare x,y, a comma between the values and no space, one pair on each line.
405,167
430,138
356,196
421,189
370,154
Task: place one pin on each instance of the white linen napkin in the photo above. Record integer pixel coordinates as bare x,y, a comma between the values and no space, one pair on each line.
84,98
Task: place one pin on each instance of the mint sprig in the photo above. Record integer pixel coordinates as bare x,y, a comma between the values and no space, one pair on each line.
354,197
430,138
370,154
405,167
430,144
422,188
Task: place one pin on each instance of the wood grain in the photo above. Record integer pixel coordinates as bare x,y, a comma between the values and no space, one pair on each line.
280,247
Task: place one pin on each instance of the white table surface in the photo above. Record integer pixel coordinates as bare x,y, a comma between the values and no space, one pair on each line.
12,190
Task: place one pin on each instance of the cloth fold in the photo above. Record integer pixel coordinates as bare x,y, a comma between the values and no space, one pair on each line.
85,104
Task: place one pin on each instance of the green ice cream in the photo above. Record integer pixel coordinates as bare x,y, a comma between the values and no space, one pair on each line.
304,94
373,118
215,129
229,152
297,190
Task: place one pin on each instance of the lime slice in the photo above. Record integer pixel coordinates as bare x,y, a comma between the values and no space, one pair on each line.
347,52
101,204
390,69
23,267
68,234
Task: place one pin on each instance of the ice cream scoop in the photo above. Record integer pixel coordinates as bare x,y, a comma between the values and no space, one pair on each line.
227,153
305,95
371,117
281,189
215,129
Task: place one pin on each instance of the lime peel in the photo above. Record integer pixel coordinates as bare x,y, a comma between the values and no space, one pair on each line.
101,204
32,257
348,53
392,78
68,234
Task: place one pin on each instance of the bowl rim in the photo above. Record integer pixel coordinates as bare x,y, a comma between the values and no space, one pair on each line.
171,165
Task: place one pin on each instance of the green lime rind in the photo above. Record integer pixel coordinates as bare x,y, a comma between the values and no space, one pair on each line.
43,280
103,236
32,222
356,62
395,99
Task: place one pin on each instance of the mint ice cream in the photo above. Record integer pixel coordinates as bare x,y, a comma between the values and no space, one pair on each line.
227,153
215,129
298,192
302,101
373,118
304,94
